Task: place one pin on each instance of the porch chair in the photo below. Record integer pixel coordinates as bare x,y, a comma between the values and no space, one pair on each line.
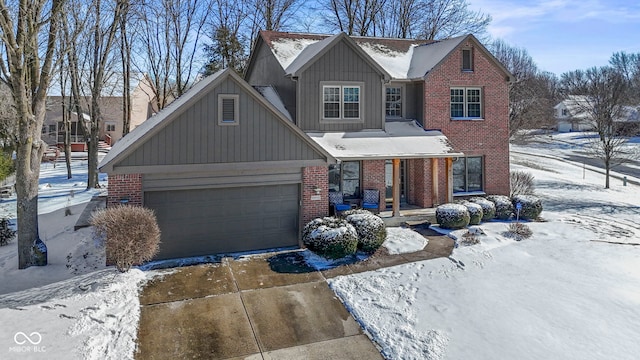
371,200
336,200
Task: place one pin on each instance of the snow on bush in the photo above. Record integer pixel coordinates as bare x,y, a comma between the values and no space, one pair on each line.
504,207
452,216
371,230
330,237
518,231
475,212
131,234
531,206
488,208
346,213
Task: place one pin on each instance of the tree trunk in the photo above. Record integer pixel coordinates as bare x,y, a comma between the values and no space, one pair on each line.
28,157
607,168
92,144
66,122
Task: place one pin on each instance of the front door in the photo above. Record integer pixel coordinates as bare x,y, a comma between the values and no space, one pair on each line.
388,172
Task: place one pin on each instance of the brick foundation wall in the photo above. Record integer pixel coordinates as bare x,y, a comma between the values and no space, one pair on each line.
488,137
312,178
124,186
373,177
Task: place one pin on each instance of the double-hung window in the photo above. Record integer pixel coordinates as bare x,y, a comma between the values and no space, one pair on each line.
393,103
341,102
466,103
468,174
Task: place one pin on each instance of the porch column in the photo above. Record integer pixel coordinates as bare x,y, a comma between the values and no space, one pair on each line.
449,171
435,199
396,187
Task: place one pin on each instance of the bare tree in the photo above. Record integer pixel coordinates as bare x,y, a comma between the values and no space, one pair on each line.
274,15
26,66
400,18
171,32
448,18
354,17
232,32
604,93
125,57
629,66
531,98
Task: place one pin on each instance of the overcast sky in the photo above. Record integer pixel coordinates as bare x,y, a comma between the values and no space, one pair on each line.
565,35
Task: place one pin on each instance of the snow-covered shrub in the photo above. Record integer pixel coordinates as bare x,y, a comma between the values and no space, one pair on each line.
488,208
346,213
521,183
452,216
504,208
518,231
469,238
131,234
531,206
371,231
330,237
6,232
475,212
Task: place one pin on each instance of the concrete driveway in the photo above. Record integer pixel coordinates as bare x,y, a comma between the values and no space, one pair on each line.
270,306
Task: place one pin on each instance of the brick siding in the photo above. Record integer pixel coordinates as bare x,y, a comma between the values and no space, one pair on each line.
489,137
315,177
373,177
124,186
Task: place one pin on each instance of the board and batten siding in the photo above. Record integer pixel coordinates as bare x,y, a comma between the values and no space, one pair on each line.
194,136
266,70
340,64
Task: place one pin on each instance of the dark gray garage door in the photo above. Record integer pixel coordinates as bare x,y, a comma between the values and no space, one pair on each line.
211,221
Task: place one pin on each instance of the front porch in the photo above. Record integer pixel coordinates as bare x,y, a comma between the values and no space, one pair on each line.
408,215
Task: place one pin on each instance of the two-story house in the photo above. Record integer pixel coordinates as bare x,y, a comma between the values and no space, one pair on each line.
241,164
111,105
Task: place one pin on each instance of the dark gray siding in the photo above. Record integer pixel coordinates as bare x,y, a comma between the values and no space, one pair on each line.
219,179
414,94
211,221
340,63
194,136
266,70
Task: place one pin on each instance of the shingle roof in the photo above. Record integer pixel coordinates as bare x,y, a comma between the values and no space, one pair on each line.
401,58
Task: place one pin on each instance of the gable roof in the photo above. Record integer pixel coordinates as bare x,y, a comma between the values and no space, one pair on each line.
314,51
400,58
154,124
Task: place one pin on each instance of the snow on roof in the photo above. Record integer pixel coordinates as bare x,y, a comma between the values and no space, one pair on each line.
427,56
287,50
400,139
272,96
396,63
308,53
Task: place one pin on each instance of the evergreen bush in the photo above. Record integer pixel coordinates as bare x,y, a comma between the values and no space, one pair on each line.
531,206
330,237
504,207
452,216
488,208
370,229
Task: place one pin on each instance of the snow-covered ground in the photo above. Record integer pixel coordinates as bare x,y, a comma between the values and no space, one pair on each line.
563,293
568,292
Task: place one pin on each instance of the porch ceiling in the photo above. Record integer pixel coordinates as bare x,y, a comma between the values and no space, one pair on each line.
400,140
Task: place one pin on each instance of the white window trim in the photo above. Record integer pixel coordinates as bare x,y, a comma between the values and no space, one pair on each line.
236,109
466,109
342,85
402,101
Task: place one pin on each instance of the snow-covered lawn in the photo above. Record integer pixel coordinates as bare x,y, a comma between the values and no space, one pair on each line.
557,295
564,293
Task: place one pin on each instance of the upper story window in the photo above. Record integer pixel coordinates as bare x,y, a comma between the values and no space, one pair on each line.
393,102
466,103
565,112
341,102
110,126
467,59
228,109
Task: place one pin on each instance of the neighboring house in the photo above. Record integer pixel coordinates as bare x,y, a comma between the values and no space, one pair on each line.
242,164
111,102
570,114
